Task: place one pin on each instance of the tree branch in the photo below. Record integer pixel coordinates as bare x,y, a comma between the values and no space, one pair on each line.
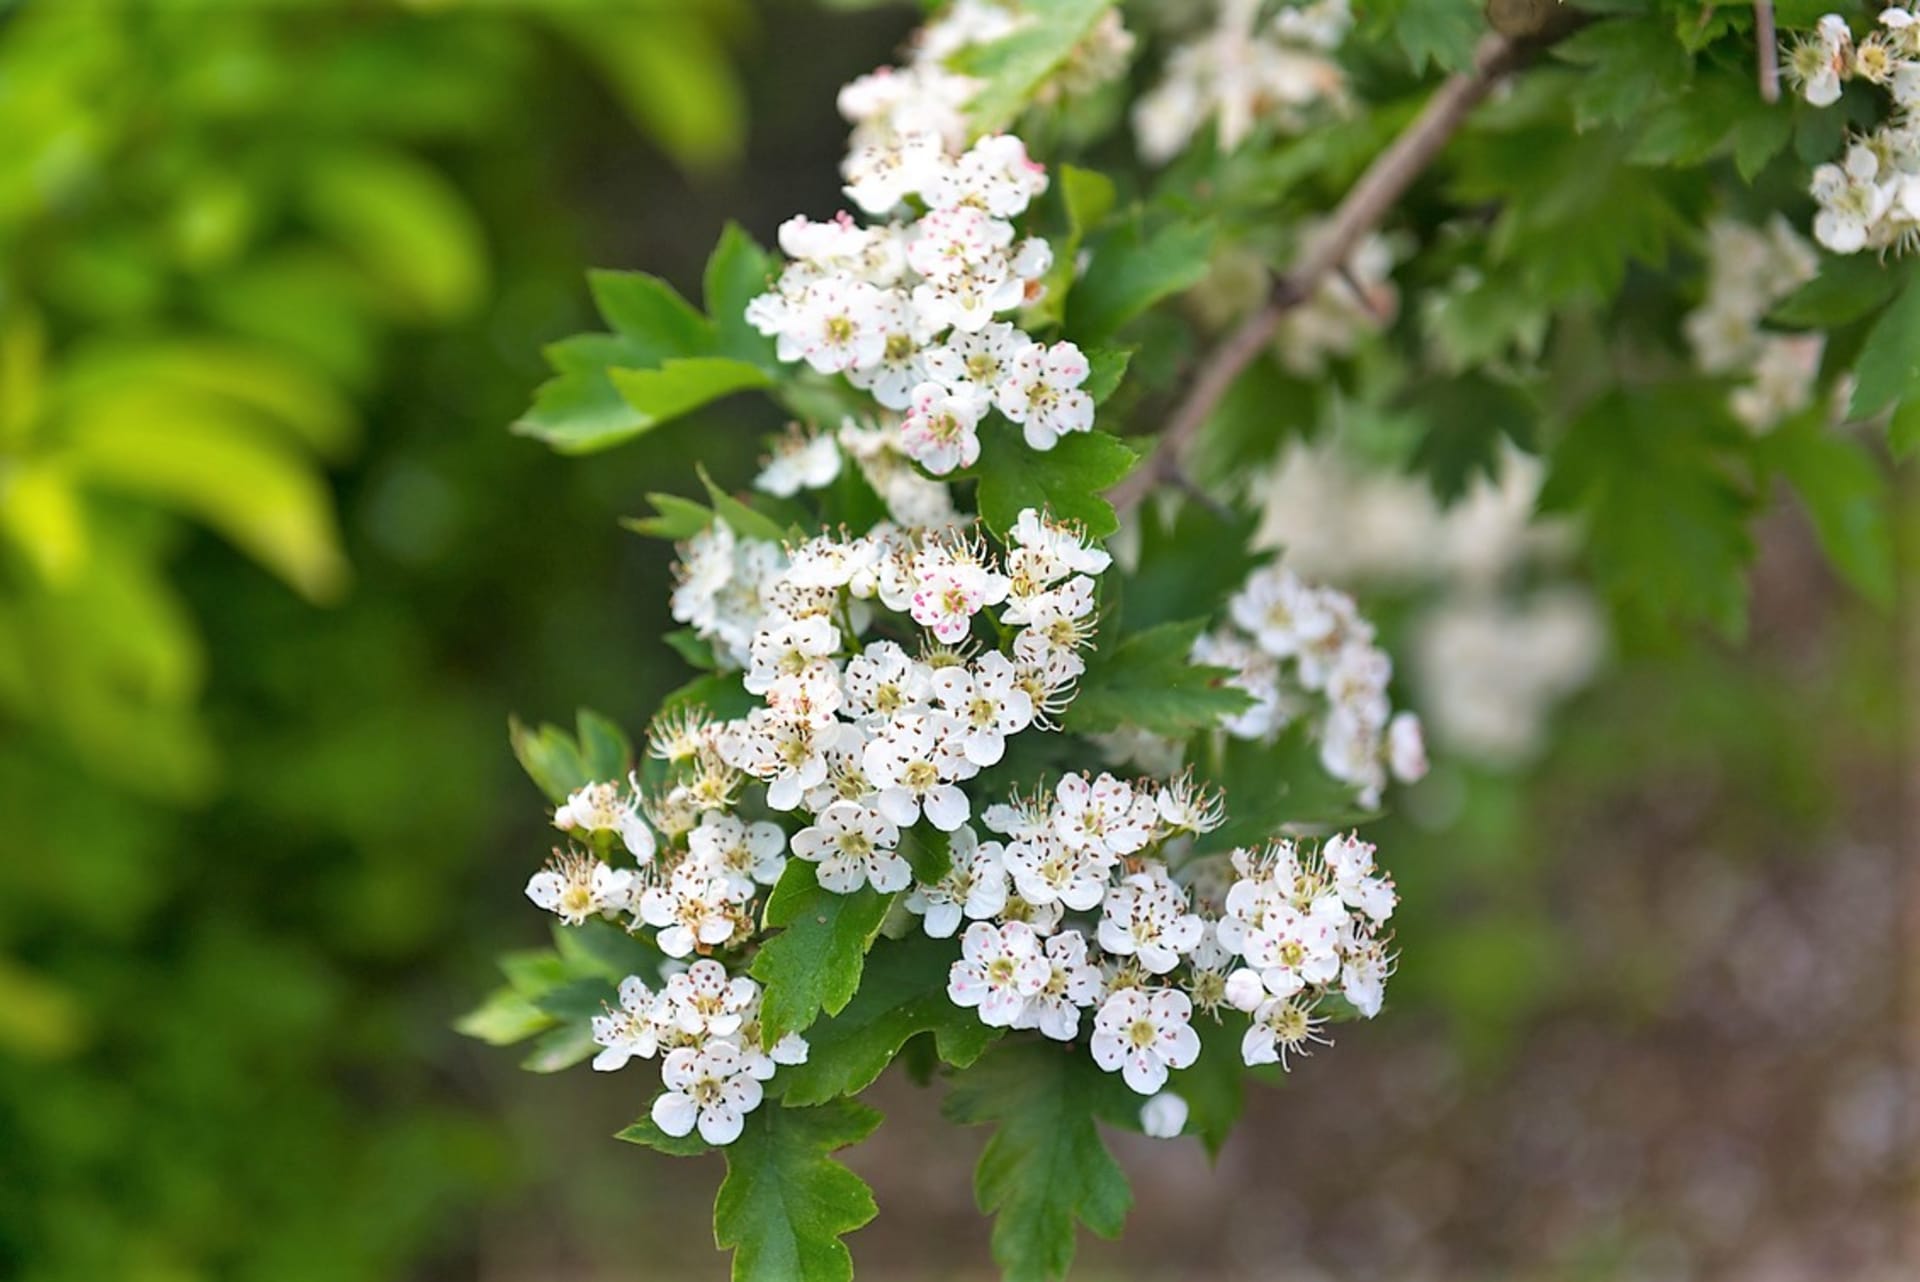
1383,183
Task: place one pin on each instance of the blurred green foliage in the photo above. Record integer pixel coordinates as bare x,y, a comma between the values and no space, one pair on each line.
244,246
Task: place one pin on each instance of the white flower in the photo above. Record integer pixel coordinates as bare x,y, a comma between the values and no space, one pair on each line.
703,1002
1146,916
987,702
949,587
1350,861
1821,61
800,462
630,1030
782,746
941,430
1102,814
798,655
882,681
975,886
892,377
1164,1116
1851,201
853,847
1062,546
1000,970
1406,748
1046,871
690,910
1186,806
575,887
709,1087
1143,1034
973,360
1041,392
741,855
836,325
913,760
996,174
1363,979
1072,984
1280,1028
599,807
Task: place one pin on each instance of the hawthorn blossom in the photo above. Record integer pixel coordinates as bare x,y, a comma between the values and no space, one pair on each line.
1163,1116
796,657
1046,870
883,681
951,583
702,1001
987,703
1280,1027
785,748
1146,916
853,847
599,807
835,325
577,886
1103,814
976,361
799,462
1142,1034
710,1088
628,1031
914,760
1041,392
941,429
975,887
1073,983
739,854
690,911
1001,969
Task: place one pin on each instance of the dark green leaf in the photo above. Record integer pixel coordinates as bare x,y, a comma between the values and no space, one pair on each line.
1147,682
1272,785
904,993
1632,64
1847,288
645,1132
1190,562
737,271
1132,270
814,963
1067,480
1845,495
1045,1166
1889,365
785,1204
1214,1086
928,850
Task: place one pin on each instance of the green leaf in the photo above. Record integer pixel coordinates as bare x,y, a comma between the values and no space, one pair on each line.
1088,196
659,395
1147,682
737,271
1666,527
1190,562
1214,1086
561,1048
1045,1166
690,646
814,963
903,994
1131,271
604,750
1105,369
1067,480
550,757
1016,65
506,1017
1903,433
1469,421
928,850
1272,785
644,1132
1442,32
746,522
1889,365
407,226
1632,64
1845,495
1848,287
785,1204
649,314
677,519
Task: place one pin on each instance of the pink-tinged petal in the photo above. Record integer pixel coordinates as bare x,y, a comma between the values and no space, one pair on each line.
1001,1007
966,986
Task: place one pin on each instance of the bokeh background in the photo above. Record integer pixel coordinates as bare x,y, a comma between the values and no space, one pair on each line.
273,573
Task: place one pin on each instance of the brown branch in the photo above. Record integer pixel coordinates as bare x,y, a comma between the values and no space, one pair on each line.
1383,183
1769,49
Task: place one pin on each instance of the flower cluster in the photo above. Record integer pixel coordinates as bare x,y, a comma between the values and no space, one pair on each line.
1300,650
908,309
1302,922
707,1028
1871,199
1245,72
1749,269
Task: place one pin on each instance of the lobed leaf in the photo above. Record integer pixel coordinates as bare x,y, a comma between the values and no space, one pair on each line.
1067,480
814,963
785,1203
1149,682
